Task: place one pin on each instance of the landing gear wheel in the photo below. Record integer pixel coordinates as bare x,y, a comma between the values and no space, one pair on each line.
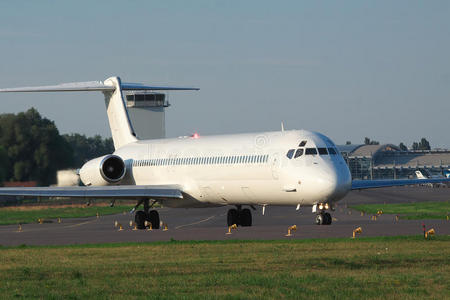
319,219
139,219
232,217
153,217
246,217
327,219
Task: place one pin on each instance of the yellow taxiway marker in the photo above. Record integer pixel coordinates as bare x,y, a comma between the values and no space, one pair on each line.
117,224
430,233
357,230
165,228
234,226
291,228
149,225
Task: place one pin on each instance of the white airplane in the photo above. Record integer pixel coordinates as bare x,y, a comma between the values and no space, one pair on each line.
292,168
420,175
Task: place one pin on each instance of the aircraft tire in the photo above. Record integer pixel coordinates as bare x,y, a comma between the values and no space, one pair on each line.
232,217
139,219
246,217
327,219
153,217
319,219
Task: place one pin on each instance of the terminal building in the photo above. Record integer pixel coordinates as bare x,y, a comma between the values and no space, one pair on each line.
388,161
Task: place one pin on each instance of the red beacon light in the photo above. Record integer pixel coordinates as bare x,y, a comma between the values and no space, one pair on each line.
195,135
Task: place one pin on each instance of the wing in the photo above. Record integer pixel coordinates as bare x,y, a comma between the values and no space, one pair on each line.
370,184
114,192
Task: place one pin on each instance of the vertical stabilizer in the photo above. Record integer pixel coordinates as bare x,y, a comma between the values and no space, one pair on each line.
121,129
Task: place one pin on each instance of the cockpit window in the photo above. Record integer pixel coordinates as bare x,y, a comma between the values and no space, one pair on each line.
311,151
322,151
290,153
332,151
298,153
302,144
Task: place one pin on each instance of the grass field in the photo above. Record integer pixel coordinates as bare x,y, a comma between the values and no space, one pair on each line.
377,268
410,211
26,214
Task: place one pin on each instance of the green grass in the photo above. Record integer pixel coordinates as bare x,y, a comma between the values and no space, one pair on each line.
15,216
379,268
411,211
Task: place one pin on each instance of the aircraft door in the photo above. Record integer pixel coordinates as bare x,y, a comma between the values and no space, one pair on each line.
275,165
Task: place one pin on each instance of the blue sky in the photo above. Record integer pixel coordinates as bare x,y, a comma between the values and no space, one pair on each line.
348,69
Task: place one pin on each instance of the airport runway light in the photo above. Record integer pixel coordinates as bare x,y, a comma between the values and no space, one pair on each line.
164,225
234,226
149,225
430,233
117,224
356,231
291,228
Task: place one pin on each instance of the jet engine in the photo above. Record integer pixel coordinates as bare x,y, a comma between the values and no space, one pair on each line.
105,170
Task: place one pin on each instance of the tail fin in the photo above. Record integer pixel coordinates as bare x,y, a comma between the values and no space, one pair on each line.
119,122
419,175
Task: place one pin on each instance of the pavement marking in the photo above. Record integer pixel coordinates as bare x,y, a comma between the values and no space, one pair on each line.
80,224
195,223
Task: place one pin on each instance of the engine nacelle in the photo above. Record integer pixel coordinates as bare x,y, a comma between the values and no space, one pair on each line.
105,170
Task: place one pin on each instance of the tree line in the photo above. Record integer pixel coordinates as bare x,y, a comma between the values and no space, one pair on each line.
32,149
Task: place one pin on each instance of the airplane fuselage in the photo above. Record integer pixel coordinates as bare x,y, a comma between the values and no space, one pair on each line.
254,168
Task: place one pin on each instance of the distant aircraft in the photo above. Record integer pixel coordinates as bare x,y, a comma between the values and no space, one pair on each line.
292,168
420,175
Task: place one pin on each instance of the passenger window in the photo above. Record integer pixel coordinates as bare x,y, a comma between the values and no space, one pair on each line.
290,153
332,151
322,151
311,151
298,153
302,144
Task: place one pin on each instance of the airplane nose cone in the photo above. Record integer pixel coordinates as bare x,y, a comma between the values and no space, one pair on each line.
335,182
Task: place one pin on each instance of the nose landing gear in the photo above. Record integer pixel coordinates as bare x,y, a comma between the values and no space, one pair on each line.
323,218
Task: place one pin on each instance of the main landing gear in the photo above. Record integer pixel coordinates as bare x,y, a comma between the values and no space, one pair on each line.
148,215
239,216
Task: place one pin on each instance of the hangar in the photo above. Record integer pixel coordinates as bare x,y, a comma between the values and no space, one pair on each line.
388,161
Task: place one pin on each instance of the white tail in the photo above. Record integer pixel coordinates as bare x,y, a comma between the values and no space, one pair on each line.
420,175
121,129
119,122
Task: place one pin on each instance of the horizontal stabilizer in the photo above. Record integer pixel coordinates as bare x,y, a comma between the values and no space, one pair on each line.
64,87
94,86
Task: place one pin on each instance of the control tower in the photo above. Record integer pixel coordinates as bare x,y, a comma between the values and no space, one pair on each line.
147,113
